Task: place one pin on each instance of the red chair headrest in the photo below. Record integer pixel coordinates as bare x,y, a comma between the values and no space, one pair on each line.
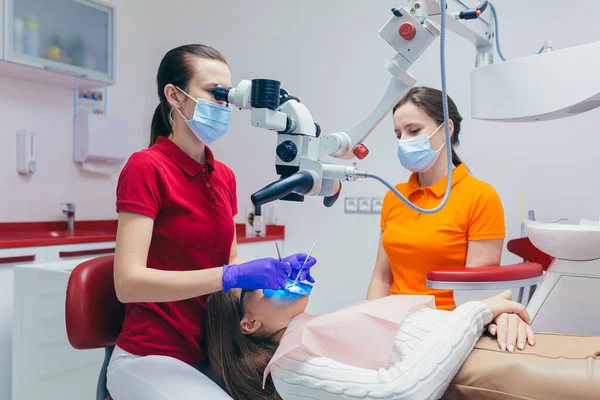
94,315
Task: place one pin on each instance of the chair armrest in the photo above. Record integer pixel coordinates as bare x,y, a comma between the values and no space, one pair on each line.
523,248
486,278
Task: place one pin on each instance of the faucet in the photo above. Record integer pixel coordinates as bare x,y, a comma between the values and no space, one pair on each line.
69,211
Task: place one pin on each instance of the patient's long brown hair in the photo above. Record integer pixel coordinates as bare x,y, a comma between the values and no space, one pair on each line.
240,360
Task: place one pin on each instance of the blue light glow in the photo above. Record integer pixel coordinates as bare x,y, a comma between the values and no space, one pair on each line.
290,293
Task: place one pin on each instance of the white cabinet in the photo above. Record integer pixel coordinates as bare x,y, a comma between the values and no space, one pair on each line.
9,258
67,43
45,366
43,295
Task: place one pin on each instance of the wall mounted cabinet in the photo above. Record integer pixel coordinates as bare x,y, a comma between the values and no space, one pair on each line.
66,43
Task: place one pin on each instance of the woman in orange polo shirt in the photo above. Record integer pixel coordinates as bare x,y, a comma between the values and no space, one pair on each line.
468,232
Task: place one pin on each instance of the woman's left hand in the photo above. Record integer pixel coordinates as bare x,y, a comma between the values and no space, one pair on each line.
511,332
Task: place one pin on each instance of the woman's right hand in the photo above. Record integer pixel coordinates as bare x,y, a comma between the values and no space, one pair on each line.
503,303
510,323
265,273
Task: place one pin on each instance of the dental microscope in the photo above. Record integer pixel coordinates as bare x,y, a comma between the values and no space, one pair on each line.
497,91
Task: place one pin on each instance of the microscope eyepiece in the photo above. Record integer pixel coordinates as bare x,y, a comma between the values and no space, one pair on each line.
221,93
265,93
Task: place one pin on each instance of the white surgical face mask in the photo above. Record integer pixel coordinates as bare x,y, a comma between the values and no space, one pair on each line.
416,154
210,121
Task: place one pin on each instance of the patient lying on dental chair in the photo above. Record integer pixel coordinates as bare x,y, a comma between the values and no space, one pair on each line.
398,347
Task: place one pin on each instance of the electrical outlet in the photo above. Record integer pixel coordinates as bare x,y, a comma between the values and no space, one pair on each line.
350,205
377,204
364,205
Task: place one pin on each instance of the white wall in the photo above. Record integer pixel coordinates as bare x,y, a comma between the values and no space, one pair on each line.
331,56
49,112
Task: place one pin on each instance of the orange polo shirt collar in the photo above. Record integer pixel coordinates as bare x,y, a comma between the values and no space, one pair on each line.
438,188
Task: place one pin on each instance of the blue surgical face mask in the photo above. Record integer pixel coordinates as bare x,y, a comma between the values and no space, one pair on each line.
416,154
210,121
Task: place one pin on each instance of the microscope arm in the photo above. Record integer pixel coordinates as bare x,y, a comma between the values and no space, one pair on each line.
410,31
300,147
497,94
348,144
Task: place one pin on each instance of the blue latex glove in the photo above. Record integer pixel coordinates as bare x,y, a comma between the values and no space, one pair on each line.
296,261
266,273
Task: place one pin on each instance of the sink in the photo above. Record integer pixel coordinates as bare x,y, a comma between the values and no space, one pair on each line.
566,242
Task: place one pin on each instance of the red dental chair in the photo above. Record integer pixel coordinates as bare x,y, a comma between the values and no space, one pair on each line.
526,274
94,315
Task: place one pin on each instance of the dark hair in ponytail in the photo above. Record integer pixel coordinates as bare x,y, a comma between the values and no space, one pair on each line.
240,360
430,101
176,69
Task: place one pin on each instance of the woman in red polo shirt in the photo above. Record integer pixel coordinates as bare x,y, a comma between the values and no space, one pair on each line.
176,237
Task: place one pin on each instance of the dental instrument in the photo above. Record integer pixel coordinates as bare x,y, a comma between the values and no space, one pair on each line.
497,94
304,263
293,289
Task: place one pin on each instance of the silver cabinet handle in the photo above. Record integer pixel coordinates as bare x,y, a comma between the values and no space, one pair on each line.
65,72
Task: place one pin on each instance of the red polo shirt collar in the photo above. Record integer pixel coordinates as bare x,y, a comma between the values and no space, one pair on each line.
182,159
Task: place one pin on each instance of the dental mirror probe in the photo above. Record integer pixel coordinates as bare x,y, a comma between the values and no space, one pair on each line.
307,257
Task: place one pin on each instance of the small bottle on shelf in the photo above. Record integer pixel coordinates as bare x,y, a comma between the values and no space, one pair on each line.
259,227
32,45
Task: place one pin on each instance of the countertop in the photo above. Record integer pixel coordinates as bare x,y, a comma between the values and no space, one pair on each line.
36,234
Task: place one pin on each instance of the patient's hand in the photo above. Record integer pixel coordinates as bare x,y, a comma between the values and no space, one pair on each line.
511,332
503,303
510,322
